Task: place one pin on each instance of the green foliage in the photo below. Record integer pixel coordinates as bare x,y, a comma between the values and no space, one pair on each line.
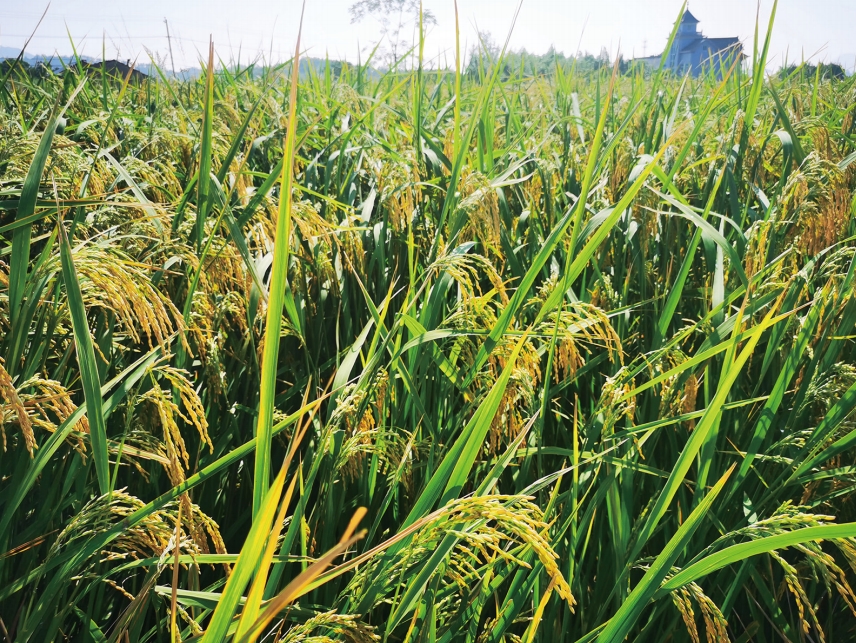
524,63
826,71
397,20
540,352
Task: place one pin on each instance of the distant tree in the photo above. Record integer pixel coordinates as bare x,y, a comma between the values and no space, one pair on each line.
12,63
828,71
397,18
38,71
41,70
484,55
21,67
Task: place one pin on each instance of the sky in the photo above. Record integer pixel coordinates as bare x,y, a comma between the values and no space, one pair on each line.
820,30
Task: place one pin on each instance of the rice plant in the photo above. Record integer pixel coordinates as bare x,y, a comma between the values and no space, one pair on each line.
428,356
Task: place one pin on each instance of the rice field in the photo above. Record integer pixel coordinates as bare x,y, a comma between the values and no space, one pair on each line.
428,356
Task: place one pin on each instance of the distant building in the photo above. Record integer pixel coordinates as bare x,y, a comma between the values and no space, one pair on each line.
694,52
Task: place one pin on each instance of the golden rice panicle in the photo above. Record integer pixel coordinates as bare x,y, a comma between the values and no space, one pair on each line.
112,281
681,598
519,400
194,410
14,407
399,188
521,522
191,411
808,618
51,405
149,538
328,626
715,625
480,204
818,200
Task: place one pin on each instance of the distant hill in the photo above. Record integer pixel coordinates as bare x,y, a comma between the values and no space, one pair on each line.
54,61
57,63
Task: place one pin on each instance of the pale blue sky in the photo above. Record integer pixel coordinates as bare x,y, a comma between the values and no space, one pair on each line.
822,29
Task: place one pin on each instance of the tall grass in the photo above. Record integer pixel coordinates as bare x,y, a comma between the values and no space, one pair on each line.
428,357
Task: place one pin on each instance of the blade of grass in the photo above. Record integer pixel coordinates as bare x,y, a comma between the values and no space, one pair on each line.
620,625
88,366
300,585
742,551
204,181
278,284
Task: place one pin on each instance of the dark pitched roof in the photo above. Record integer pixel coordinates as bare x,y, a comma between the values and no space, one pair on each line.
721,43
688,17
114,68
712,44
725,47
